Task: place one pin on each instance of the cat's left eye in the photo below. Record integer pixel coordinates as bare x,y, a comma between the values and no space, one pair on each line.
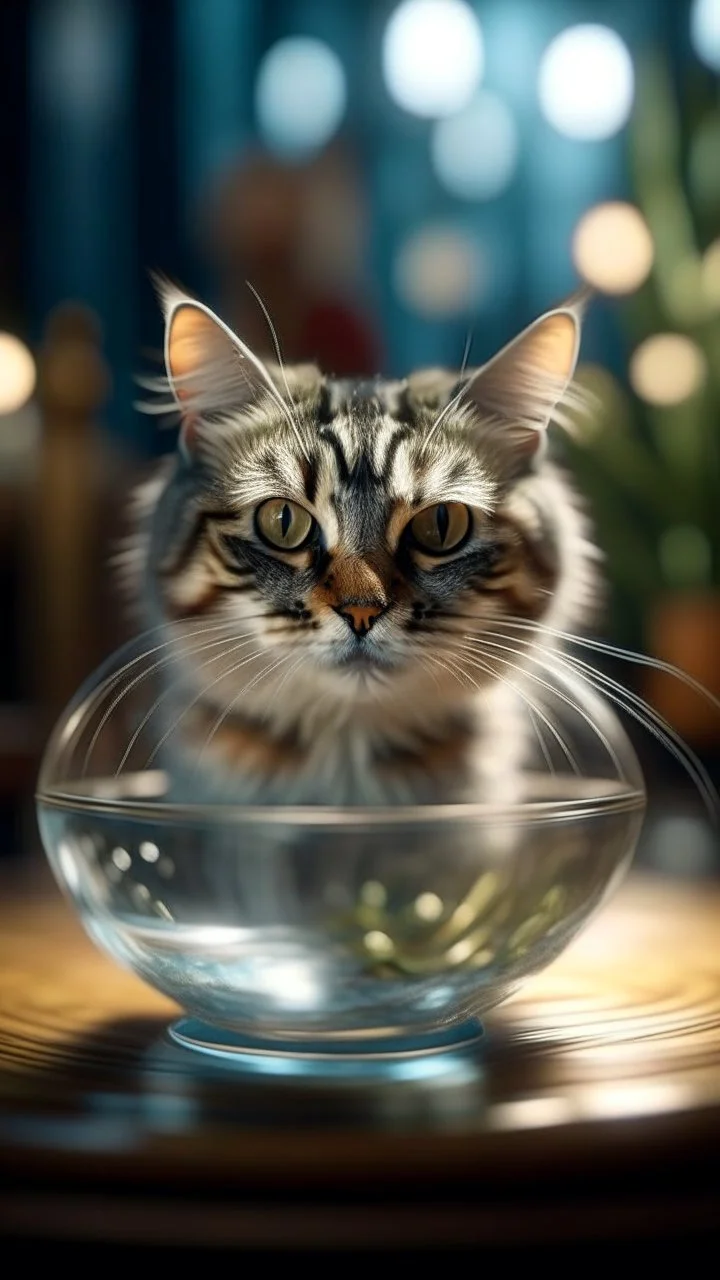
284,524
442,528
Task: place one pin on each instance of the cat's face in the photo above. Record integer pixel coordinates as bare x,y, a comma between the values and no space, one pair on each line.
359,531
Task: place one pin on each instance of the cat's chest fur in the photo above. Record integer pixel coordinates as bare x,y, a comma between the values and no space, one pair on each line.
469,758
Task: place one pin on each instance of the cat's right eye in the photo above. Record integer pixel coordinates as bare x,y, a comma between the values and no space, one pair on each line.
284,524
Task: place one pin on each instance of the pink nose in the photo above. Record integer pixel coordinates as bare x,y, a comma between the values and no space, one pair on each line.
360,617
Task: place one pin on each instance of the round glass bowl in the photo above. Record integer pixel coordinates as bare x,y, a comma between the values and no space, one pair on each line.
329,931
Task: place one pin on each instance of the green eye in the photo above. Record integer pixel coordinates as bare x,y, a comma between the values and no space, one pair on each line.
441,529
283,524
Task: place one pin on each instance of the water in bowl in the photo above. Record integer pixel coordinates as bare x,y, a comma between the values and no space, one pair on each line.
318,932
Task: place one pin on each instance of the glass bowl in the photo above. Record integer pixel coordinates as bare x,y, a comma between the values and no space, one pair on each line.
329,932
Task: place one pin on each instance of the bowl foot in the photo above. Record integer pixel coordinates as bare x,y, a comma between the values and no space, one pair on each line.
393,1055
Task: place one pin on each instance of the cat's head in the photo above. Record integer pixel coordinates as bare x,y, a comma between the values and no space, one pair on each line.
366,532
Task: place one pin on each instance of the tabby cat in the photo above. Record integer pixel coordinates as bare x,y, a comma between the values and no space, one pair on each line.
346,566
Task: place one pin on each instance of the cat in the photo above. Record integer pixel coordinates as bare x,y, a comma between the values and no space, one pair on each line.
345,567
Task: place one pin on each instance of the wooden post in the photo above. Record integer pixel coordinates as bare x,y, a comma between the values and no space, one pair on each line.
73,385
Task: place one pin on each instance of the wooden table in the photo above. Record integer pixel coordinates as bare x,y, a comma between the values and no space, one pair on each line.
592,1111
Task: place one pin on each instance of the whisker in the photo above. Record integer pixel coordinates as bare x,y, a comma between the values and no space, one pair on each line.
535,710
466,352
198,697
615,651
224,653
233,702
557,693
107,686
452,404
642,712
654,723
292,420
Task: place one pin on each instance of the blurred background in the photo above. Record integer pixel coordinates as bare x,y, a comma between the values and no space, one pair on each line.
393,178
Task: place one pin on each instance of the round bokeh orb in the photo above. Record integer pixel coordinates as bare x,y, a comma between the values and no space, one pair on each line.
705,32
667,368
439,272
612,247
17,373
300,96
474,153
432,56
586,83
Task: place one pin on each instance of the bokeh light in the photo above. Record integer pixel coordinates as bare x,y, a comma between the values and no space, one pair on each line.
586,83
612,247
300,96
17,373
474,153
710,275
667,368
685,555
432,56
439,272
705,31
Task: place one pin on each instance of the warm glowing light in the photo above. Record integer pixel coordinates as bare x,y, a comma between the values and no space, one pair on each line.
428,906
532,1113
667,368
586,84
612,247
438,272
432,56
474,153
300,96
705,31
378,943
17,373
710,275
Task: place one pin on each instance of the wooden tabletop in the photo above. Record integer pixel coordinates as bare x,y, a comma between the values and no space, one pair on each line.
600,1080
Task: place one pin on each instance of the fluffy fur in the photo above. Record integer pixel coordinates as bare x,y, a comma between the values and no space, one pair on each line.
301,703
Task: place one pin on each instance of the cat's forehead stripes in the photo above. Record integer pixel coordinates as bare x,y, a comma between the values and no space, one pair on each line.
366,453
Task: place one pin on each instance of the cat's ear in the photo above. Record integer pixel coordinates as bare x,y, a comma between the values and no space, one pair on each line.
209,369
521,388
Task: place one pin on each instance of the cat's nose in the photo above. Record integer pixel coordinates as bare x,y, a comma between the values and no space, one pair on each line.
360,615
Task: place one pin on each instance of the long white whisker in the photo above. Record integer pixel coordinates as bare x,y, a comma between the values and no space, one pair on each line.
198,697
533,711
640,711
557,693
655,724
452,404
230,647
292,420
266,671
615,651
109,685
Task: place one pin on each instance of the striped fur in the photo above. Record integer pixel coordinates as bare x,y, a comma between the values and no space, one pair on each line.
318,713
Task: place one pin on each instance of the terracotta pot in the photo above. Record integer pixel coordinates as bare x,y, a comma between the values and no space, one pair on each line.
684,629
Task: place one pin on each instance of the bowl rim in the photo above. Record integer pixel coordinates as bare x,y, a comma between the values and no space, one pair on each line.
621,797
